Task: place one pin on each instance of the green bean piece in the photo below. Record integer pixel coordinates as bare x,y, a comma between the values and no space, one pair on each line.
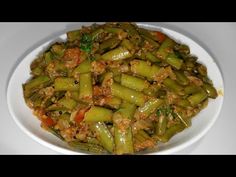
119,53
185,120
132,32
109,44
36,82
83,67
96,33
127,110
148,108
183,103
92,140
190,89
202,70
98,114
152,90
181,78
165,48
104,136
56,107
117,78
174,61
113,102
123,141
142,68
90,147
128,94
211,91
36,99
37,71
114,30
183,50
85,88
170,132
58,50
127,44
55,133
151,57
134,82
197,98
75,95
107,79
123,132
73,35
67,103
150,41
48,57
173,85
65,83
161,125
146,33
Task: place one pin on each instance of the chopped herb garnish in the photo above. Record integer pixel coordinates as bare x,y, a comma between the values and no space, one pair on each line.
86,43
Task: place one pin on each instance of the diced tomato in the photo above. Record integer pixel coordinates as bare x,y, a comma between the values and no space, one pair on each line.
48,122
160,36
80,115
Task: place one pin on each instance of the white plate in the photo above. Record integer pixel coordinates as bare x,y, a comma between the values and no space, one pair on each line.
24,118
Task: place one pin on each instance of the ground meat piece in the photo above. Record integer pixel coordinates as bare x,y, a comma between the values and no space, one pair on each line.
138,146
161,75
98,91
122,123
69,133
98,67
171,97
72,57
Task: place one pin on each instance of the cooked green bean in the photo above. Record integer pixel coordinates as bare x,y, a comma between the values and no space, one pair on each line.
181,78
98,114
64,83
84,67
211,91
173,85
36,82
85,89
142,68
128,94
174,61
190,89
122,134
87,147
151,57
127,44
152,42
165,48
73,35
104,136
161,125
134,82
170,132
197,98
67,103
109,44
184,103
149,107
119,53
127,109
113,102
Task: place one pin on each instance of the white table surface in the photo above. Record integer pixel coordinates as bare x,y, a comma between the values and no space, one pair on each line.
16,39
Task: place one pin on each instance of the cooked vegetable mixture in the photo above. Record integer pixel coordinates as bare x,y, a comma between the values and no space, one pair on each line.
117,88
